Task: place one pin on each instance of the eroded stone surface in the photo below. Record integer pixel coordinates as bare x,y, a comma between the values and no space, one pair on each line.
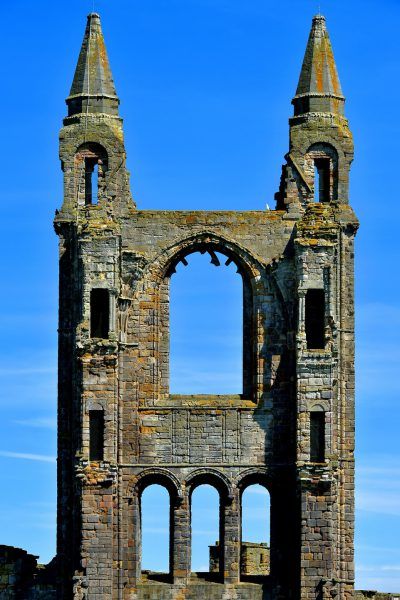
261,436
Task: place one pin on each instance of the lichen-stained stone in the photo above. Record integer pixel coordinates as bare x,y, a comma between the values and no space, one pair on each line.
121,430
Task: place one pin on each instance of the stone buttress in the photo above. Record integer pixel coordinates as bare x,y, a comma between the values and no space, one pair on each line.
292,428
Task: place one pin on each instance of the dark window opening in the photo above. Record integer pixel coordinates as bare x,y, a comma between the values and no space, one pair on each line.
91,181
96,435
322,171
99,313
315,319
317,436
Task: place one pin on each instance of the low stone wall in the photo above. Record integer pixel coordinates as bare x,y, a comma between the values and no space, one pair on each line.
22,578
16,571
254,559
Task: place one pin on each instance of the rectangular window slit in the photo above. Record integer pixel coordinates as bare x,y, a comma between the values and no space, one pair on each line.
99,313
317,436
322,182
96,435
315,319
91,180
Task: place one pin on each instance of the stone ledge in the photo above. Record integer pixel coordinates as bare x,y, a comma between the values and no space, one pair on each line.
372,595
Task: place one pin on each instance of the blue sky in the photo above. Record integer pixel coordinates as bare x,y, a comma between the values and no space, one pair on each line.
205,88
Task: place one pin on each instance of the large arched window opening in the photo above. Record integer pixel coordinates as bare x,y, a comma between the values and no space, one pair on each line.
255,528
210,325
206,532
156,532
91,165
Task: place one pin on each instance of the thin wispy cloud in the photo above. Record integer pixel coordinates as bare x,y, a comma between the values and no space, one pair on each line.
257,489
11,371
28,456
378,549
38,422
378,486
375,568
378,313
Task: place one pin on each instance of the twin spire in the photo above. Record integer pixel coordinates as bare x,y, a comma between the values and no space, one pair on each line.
319,89
93,89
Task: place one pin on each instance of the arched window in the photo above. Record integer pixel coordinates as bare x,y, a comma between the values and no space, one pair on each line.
322,167
91,180
255,542
91,164
155,529
322,184
210,326
206,531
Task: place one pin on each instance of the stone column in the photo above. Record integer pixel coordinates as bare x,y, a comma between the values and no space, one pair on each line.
136,557
180,540
230,538
316,537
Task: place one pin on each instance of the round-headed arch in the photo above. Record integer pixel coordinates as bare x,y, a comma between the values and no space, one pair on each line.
155,476
247,264
92,150
211,477
254,476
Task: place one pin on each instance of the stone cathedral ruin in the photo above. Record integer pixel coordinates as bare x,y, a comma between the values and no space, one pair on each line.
119,428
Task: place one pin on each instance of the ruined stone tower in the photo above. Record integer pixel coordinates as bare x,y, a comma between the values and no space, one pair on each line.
292,428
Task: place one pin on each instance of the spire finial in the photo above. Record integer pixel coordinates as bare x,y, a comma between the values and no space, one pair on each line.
93,89
319,88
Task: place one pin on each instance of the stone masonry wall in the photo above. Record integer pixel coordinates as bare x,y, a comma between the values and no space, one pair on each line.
254,559
22,578
260,435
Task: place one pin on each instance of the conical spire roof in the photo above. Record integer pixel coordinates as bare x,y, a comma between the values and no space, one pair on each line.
93,89
319,88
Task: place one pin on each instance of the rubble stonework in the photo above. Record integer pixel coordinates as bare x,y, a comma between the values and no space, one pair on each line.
254,559
119,428
22,578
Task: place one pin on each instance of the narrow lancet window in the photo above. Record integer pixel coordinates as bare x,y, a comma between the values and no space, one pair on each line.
99,313
315,319
206,532
322,180
91,181
256,525
95,184
156,531
317,436
96,435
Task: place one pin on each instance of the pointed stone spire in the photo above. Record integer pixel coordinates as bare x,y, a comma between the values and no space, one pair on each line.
319,89
93,89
